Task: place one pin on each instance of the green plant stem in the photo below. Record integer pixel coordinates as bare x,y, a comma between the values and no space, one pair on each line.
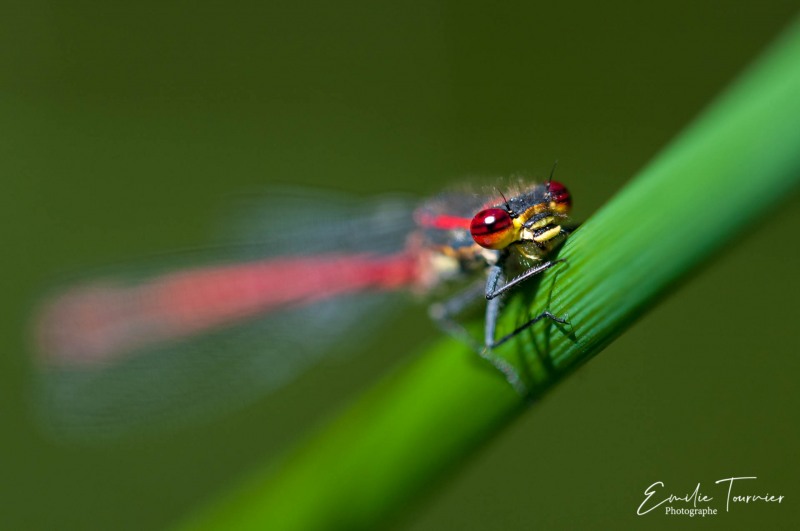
724,174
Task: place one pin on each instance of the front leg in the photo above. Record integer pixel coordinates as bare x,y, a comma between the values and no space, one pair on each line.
496,278
492,291
490,326
443,314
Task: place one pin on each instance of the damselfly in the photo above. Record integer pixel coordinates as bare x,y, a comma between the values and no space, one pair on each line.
146,344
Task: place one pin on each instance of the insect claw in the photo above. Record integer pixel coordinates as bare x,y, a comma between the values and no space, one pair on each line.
552,317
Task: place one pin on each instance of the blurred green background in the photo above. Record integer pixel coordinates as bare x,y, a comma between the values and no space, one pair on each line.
123,129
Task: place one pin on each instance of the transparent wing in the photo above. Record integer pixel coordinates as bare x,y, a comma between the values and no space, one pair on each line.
288,221
303,274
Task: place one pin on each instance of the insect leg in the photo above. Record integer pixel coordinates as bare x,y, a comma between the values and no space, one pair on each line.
493,306
442,313
492,312
543,315
493,291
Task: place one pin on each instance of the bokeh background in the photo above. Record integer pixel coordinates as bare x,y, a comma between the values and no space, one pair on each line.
124,127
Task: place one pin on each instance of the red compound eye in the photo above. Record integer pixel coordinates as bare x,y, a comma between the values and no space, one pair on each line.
492,228
560,195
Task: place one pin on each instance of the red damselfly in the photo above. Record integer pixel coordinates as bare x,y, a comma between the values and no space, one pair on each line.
301,270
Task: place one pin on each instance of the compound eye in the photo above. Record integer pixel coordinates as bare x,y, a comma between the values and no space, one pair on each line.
492,228
560,197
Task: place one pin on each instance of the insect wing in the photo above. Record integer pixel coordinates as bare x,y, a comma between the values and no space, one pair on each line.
446,218
206,331
299,221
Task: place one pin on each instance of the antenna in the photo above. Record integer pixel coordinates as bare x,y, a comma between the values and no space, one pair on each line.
550,179
552,172
508,206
